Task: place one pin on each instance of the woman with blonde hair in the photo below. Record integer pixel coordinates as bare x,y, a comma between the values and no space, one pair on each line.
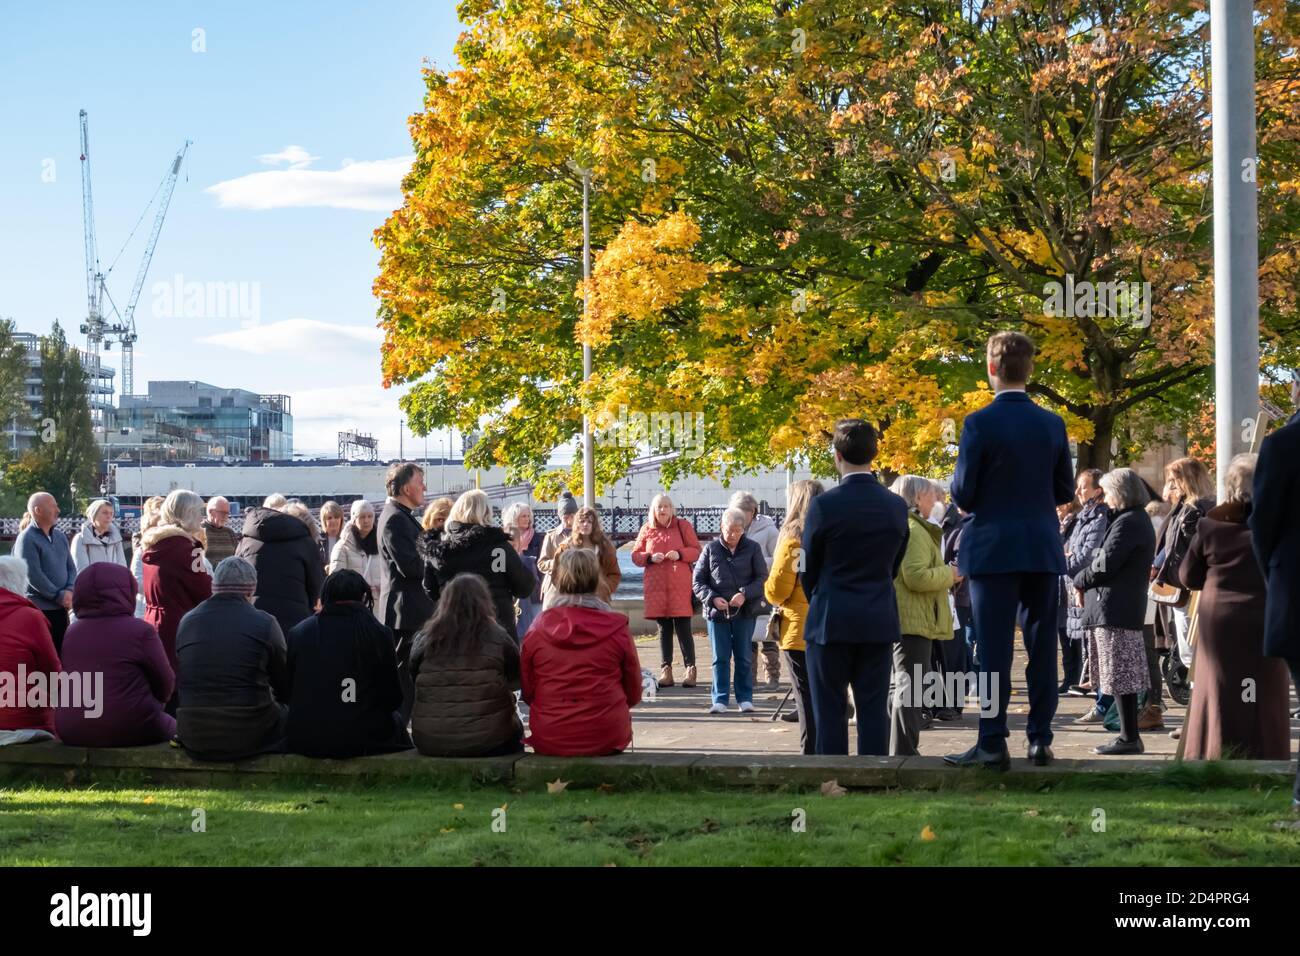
587,535
175,581
148,518
99,538
471,544
667,547
517,521
1189,489
331,529
784,591
432,522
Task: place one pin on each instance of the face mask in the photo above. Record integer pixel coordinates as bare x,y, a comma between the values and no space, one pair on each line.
937,513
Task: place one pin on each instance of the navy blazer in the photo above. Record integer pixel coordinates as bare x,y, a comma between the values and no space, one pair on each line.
854,537
1275,532
1013,469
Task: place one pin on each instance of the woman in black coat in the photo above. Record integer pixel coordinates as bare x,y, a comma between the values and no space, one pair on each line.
470,545
1114,586
289,574
344,693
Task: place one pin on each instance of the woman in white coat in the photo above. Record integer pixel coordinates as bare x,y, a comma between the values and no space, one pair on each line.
358,549
99,538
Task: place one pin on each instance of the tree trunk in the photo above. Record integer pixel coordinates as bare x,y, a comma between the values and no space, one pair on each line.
1096,453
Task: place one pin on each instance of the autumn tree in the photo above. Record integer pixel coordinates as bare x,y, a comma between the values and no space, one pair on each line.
809,209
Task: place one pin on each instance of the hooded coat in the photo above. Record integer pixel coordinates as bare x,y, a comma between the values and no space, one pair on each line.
107,638
289,571
24,639
90,548
581,676
464,700
484,550
174,582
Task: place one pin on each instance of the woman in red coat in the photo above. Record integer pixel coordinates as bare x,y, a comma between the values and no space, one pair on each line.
667,548
175,579
579,671
26,648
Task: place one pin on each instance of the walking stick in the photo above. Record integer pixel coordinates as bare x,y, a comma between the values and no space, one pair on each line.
781,706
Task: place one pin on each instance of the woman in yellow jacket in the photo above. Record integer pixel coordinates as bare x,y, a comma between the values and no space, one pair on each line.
922,588
784,591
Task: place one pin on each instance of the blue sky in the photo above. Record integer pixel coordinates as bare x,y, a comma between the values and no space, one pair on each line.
297,112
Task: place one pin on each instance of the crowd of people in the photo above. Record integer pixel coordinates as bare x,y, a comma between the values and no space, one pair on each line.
429,625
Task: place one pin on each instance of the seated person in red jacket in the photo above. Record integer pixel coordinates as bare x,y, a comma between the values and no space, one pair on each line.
107,638
580,672
25,648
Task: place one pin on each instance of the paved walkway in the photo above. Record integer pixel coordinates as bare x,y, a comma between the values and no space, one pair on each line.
676,720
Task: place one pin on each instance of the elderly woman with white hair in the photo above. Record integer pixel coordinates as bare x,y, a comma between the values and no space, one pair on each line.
175,581
1114,586
357,549
1222,721
921,587
728,580
517,522
99,538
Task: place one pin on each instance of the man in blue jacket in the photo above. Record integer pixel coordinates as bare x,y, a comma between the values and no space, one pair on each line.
1275,532
50,567
853,542
1013,469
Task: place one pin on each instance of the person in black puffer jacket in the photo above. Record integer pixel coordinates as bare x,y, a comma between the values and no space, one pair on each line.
289,572
470,545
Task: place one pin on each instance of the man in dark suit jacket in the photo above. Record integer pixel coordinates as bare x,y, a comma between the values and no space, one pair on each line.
1275,531
402,599
1013,469
853,541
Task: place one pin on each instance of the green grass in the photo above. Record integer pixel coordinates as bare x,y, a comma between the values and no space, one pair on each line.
1168,823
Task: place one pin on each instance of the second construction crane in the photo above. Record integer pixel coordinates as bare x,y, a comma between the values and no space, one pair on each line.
103,329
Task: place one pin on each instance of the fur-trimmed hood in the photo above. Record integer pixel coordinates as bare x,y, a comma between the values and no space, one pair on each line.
162,532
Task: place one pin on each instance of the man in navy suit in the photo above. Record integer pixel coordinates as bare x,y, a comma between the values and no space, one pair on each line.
854,537
1013,469
1275,532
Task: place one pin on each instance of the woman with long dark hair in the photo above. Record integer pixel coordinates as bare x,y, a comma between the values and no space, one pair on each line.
588,535
344,696
466,670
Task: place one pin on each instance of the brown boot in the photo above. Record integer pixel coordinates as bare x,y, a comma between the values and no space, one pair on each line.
1151,718
666,676
691,676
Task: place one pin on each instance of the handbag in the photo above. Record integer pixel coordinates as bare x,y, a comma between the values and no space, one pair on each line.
776,616
1168,595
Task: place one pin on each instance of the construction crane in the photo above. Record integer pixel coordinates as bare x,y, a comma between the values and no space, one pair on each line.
99,328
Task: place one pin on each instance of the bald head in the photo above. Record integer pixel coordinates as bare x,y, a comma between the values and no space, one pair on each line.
218,509
44,510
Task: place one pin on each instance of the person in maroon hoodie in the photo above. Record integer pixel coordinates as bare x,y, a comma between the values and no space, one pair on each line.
579,670
175,577
107,638
25,642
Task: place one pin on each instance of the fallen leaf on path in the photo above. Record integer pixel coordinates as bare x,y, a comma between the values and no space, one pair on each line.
1031,813
557,785
832,788
927,834
458,806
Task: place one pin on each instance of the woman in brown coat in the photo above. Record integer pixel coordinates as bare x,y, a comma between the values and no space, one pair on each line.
588,534
1239,698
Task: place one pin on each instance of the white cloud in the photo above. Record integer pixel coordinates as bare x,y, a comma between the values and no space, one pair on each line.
369,185
295,157
319,414
304,339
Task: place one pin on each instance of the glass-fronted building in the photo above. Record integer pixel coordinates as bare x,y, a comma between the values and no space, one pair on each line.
198,420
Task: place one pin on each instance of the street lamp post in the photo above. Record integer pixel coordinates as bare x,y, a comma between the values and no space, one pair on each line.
588,453
1236,230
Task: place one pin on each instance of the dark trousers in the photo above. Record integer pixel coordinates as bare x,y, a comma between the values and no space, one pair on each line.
1071,658
803,705
1153,665
832,670
58,619
404,641
996,602
953,657
682,625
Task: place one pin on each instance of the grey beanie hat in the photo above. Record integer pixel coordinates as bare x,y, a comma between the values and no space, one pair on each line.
234,575
567,504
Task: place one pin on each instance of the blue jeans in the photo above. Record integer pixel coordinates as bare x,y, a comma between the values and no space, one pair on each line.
731,638
528,612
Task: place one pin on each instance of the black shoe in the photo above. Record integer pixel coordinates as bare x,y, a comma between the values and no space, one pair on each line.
1120,747
791,716
1064,689
948,713
1040,755
975,757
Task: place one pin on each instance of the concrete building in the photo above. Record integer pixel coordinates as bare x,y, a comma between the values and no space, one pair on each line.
18,436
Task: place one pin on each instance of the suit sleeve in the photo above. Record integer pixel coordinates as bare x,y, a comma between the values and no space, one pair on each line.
400,547
631,669
812,545
1268,496
964,476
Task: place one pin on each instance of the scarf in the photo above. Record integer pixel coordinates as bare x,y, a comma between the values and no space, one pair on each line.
367,545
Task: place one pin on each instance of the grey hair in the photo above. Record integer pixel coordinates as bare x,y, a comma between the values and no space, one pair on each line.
733,516
93,508
1127,487
275,502
184,509
745,501
1240,477
360,507
235,572
13,574
910,488
511,515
